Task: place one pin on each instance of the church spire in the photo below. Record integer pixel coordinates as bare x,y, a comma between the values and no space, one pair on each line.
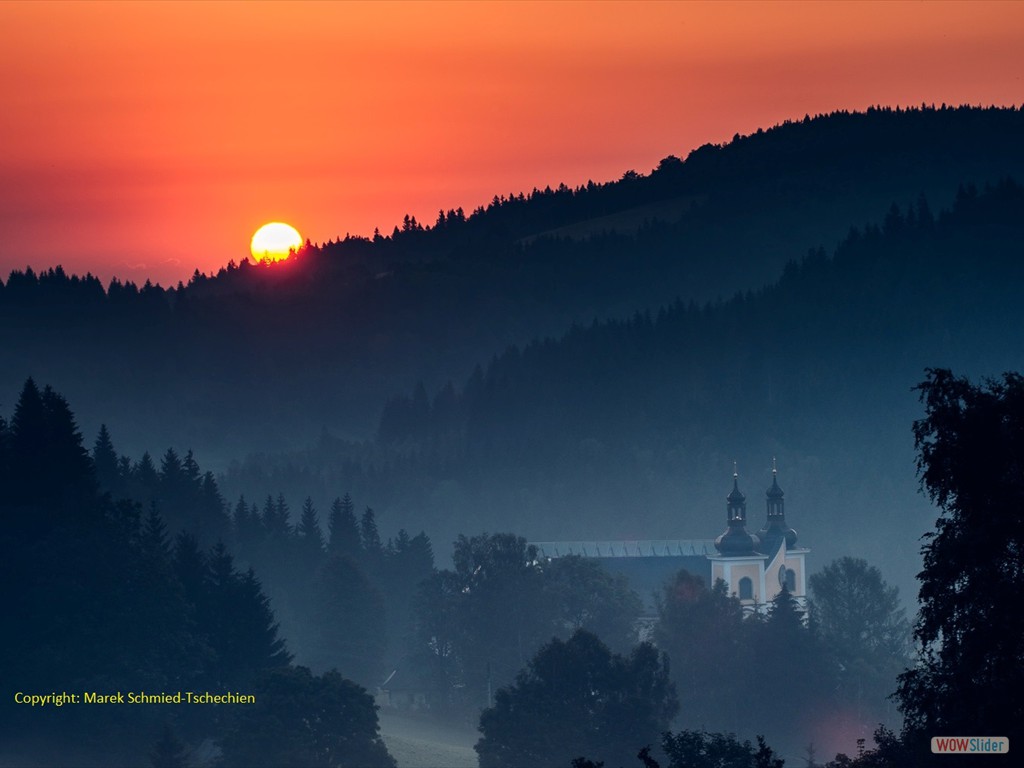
736,502
775,529
736,541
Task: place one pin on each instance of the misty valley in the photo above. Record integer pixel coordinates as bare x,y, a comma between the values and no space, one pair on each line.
522,486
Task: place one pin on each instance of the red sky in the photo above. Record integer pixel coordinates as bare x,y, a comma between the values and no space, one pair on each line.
146,139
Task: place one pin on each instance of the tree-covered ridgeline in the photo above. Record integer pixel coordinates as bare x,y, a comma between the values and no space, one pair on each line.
641,414
308,344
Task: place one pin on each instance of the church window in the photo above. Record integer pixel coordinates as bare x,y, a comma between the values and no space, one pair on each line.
746,589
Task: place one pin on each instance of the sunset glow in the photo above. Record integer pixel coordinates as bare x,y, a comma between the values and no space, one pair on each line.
125,119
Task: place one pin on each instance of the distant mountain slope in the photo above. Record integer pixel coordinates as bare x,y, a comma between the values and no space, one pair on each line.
259,357
628,429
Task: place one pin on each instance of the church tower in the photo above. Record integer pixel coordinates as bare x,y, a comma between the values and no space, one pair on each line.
775,529
739,563
736,540
756,567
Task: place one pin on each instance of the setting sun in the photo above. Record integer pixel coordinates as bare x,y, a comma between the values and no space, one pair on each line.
275,241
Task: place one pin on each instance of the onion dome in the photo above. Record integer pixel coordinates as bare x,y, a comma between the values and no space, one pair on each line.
737,542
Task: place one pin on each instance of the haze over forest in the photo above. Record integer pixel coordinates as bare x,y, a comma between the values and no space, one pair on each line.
563,363
776,296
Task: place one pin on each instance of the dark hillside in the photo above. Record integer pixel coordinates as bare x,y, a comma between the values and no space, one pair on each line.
629,428
264,357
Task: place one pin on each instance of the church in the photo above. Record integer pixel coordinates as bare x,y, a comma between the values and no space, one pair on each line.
754,566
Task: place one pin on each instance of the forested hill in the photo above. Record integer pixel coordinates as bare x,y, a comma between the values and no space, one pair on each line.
629,428
257,357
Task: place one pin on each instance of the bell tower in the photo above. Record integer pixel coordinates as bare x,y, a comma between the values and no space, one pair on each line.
775,529
736,541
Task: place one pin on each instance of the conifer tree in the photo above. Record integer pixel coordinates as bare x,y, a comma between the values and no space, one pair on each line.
309,530
211,521
269,516
242,522
343,529
369,534
190,469
351,627
153,540
145,477
50,466
256,521
28,435
5,456
190,567
105,461
275,518
172,481
239,623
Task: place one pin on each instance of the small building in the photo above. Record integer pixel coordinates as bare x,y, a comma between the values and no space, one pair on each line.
400,691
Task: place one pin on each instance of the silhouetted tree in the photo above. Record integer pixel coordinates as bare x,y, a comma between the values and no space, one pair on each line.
105,460
501,611
369,534
308,531
246,523
350,623
305,721
342,528
864,631
970,630
700,749
435,657
236,616
589,597
50,468
575,698
711,649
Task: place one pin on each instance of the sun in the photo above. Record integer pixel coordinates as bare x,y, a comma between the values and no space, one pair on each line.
275,241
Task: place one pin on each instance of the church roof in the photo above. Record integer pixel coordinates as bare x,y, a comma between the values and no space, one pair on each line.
626,548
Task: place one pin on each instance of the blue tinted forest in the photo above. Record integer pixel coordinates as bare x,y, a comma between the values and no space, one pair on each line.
128,575
546,655
367,436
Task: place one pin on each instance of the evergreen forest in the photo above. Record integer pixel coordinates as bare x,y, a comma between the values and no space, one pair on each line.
306,496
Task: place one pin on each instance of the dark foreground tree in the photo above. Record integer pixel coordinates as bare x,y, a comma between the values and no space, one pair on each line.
589,597
700,749
578,698
865,631
305,721
969,678
350,629
713,657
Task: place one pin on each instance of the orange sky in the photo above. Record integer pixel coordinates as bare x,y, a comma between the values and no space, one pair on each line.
146,139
